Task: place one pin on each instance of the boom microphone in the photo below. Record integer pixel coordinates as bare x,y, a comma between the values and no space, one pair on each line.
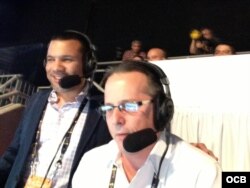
69,81
138,140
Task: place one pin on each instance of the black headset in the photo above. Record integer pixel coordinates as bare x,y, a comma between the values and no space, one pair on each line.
89,58
163,103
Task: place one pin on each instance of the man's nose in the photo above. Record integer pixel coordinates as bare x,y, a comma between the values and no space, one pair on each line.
117,116
58,65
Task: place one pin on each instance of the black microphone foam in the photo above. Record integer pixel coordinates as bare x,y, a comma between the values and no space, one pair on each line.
138,140
70,81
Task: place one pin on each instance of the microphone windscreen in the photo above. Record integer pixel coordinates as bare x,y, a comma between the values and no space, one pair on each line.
138,140
70,81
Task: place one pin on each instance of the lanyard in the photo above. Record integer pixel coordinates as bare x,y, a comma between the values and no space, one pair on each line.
155,180
64,142
67,136
113,176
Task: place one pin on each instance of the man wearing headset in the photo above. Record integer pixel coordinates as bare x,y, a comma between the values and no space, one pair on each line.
143,153
59,125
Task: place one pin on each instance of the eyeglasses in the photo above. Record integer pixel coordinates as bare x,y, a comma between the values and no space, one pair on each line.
130,106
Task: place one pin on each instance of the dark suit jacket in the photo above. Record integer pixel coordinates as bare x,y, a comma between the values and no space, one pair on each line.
14,160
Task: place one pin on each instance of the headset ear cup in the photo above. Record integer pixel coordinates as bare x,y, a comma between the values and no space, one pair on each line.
164,109
90,64
169,112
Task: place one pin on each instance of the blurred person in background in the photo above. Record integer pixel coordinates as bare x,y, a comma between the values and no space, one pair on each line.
224,48
156,54
203,41
136,50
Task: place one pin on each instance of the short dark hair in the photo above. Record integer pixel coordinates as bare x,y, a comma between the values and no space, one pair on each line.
73,35
155,86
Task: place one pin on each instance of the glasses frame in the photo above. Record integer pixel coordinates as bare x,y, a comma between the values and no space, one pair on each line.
122,107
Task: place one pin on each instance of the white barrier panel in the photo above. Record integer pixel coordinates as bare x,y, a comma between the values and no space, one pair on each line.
212,105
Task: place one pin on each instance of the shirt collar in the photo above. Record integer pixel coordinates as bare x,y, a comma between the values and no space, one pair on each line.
157,152
53,98
154,156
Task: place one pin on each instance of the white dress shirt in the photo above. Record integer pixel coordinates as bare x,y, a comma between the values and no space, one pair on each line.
55,124
183,166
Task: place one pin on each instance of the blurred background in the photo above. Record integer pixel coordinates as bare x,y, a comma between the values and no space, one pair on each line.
26,25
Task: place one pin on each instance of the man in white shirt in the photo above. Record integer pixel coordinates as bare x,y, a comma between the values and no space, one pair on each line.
143,153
